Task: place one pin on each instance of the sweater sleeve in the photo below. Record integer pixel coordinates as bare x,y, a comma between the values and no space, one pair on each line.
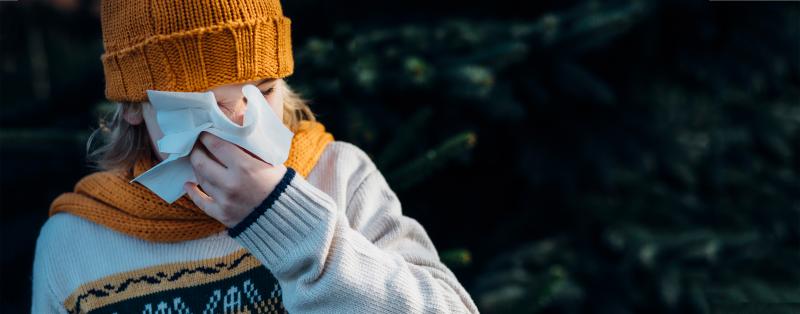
378,261
44,300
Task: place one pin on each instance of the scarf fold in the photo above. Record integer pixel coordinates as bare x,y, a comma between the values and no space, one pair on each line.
108,198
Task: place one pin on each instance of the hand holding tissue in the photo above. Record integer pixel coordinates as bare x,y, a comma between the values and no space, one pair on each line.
184,116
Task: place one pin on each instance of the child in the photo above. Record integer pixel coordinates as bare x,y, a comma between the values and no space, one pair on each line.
322,233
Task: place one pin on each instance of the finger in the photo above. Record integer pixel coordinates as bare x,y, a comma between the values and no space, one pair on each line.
228,153
206,167
200,198
215,191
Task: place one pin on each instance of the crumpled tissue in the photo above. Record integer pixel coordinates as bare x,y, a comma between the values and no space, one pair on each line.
183,116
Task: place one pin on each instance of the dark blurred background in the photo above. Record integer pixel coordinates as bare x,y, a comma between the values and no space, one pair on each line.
564,156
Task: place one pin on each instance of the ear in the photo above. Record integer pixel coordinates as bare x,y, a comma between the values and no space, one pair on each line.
132,113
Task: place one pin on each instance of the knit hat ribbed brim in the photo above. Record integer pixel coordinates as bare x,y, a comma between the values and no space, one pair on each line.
191,45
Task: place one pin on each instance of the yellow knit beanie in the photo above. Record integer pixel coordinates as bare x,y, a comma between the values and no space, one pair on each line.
191,45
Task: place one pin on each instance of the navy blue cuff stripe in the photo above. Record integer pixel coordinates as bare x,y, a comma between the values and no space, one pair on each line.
264,206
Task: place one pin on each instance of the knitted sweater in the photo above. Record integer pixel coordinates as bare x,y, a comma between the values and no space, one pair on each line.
334,242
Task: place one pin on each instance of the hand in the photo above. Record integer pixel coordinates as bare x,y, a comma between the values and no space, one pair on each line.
233,181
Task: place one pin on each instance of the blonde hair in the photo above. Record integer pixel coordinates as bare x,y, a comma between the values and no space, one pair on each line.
124,143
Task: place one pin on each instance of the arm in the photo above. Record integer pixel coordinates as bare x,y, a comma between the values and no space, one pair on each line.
44,300
366,257
380,262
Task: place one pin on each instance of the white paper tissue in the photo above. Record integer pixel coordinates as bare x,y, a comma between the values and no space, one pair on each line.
183,116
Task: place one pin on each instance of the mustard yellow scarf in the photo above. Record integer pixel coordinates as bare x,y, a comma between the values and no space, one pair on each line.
108,198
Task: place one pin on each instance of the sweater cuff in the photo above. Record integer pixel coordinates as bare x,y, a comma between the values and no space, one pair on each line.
295,215
265,205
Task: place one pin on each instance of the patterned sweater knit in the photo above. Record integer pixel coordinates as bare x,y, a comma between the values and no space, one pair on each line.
334,242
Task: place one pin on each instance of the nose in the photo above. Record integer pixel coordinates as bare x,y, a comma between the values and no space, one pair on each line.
234,109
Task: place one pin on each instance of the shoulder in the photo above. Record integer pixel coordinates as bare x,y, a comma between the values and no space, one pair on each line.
343,159
347,151
60,238
341,170
66,230
61,230
63,235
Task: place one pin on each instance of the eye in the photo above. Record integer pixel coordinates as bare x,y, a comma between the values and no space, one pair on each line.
268,91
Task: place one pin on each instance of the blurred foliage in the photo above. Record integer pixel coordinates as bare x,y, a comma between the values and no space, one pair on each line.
598,157
674,168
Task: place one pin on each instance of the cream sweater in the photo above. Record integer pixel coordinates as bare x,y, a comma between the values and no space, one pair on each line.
334,242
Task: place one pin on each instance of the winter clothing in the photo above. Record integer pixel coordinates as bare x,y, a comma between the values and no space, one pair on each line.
334,242
108,197
191,45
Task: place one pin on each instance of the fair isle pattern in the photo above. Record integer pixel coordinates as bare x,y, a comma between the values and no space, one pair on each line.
235,283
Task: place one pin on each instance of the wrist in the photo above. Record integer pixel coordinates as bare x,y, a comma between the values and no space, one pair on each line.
286,177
